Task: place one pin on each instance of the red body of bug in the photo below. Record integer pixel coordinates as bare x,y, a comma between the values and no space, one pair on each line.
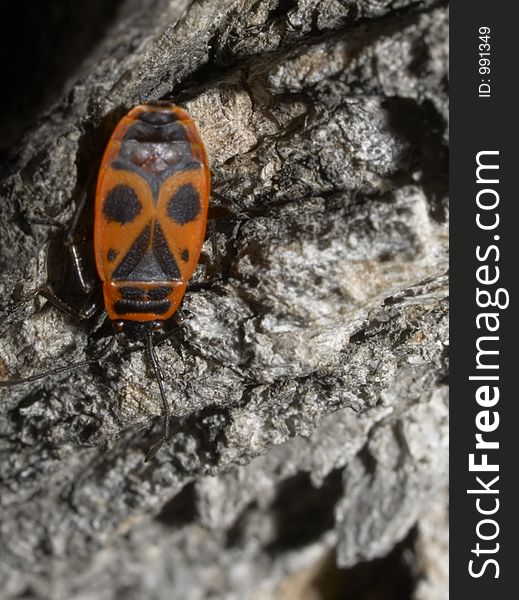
151,214
150,219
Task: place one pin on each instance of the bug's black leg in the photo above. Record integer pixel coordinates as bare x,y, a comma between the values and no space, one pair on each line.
86,285
150,349
12,311
180,317
63,368
83,279
85,312
71,242
89,308
70,237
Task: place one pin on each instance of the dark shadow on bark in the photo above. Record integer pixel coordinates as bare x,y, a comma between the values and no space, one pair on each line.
43,44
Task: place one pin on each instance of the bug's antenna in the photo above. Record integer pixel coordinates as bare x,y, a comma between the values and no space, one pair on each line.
150,349
70,367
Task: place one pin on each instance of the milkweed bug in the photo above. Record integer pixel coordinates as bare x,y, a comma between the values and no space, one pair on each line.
150,219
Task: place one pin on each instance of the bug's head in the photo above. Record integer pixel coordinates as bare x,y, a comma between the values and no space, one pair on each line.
136,331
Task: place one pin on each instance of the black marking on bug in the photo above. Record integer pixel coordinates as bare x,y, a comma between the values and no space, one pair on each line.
112,254
134,255
184,205
148,269
146,133
159,293
185,255
121,205
123,307
137,294
158,118
132,293
163,254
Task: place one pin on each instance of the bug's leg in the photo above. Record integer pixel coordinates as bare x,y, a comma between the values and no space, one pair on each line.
12,312
90,307
154,449
84,280
179,319
86,284
150,349
63,368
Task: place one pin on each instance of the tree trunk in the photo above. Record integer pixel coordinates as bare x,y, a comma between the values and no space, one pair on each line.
308,380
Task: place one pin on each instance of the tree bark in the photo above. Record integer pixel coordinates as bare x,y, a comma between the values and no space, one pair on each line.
308,381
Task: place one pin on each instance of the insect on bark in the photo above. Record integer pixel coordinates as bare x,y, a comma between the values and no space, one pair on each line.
150,219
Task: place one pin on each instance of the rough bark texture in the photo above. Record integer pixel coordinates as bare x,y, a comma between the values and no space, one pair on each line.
308,382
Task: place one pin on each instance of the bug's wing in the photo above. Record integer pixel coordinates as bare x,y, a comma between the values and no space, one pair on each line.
124,213
182,215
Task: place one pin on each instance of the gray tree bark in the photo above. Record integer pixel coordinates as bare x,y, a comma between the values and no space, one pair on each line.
308,382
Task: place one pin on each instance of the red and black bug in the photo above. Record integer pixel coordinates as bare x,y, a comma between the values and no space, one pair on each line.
149,225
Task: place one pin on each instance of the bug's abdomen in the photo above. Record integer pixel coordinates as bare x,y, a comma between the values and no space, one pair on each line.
151,212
